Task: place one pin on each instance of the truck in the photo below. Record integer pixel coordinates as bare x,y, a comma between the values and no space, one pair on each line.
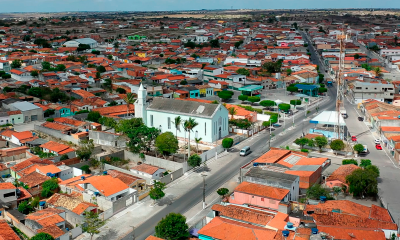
343,111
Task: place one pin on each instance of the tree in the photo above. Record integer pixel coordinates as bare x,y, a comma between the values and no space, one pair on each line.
273,67
232,111
377,71
349,161
253,99
363,182
46,65
322,90
177,122
190,124
190,44
35,91
92,223
365,163
374,169
34,73
42,236
101,69
156,192
141,138
112,103
243,97
83,47
116,45
214,43
292,89
295,102
197,140
356,56
227,143
61,67
86,169
358,148
336,190
225,95
222,192
301,141
316,191
284,107
366,66
51,184
129,99
237,44
45,192
25,208
337,145
289,71
17,63
110,57
243,71
267,103
120,90
85,149
172,227
98,75
194,160
64,157
167,143
183,82
93,116
321,141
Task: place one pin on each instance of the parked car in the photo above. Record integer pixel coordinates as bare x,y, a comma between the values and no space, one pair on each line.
377,141
360,119
354,138
378,147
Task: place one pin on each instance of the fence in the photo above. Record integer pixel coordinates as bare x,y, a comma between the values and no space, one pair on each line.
172,176
25,229
56,134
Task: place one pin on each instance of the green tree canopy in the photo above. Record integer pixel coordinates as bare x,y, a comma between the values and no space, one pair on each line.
267,103
253,99
358,148
34,73
60,67
284,106
141,138
316,191
365,163
295,102
222,192
120,90
194,160
101,69
42,236
25,208
243,71
337,145
349,161
225,95
243,97
321,141
93,116
85,149
172,227
292,89
92,223
51,184
301,141
166,143
227,142
363,182
17,63
156,192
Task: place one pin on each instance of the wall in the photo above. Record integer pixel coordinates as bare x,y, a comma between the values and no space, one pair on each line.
107,139
56,134
25,230
76,232
106,214
172,176
125,202
243,198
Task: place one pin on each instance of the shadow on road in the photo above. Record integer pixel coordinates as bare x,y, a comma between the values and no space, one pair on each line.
167,200
111,233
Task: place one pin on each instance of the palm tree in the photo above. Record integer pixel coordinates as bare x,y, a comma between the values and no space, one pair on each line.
197,140
232,111
178,121
378,71
129,99
190,124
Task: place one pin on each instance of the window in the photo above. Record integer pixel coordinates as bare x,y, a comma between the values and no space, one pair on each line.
151,120
262,199
11,194
205,129
169,123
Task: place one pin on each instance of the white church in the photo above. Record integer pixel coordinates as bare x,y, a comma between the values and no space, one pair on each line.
212,119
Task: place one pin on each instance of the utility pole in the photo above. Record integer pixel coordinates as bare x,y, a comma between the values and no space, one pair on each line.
133,233
204,189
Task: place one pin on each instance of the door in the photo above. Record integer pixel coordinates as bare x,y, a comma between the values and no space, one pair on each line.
219,133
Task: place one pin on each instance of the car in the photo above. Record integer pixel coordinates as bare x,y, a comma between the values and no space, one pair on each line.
377,141
360,119
354,138
378,147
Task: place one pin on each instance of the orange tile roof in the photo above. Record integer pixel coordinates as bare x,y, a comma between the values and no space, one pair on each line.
105,184
6,232
56,147
56,126
7,185
46,217
279,221
250,215
48,169
33,179
83,93
345,233
126,178
146,168
262,190
390,129
225,229
52,230
115,110
342,172
69,121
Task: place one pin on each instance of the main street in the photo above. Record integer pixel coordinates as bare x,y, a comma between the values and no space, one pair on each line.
216,180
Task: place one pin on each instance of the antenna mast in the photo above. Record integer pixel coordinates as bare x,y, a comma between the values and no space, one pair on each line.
340,81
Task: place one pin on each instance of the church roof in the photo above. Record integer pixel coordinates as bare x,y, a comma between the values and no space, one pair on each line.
200,109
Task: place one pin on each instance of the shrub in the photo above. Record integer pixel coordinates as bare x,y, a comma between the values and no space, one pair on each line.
86,169
194,160
304,150
227,142
243,97
349,161
50,120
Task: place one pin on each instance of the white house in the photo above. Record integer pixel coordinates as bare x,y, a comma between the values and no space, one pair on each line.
75,42
20,75
212,119
148,171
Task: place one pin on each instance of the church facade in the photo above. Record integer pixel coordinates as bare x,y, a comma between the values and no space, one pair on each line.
212,119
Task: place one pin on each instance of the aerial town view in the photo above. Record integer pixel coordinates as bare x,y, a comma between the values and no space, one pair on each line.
173,120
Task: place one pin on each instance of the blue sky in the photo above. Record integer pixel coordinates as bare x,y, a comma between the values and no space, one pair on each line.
159,5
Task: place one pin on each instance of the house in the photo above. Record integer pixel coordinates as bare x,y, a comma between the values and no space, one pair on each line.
49,220
76,42
116,111
21,75
6,232
56,148
34,179
361,91
338,177
30,111
148,171
8,194
15,117
212,119
108,139
82,94
134,182
20,138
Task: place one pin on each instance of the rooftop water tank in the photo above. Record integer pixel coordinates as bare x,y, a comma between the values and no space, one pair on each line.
285,233
83,177
48,174
314,230
289,225
96,193
322,198
67,229
42,203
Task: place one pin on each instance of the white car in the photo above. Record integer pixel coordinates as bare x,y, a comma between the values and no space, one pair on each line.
377,141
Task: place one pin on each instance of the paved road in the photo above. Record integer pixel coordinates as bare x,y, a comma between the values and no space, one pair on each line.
214,181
